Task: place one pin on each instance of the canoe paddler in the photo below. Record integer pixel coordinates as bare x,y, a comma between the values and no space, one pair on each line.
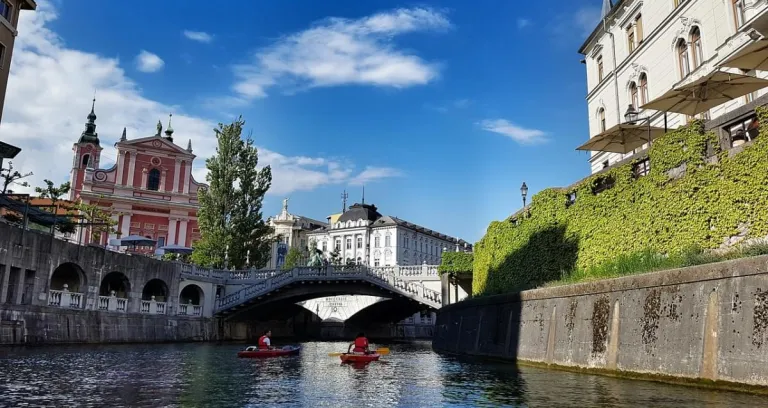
360,345
264,341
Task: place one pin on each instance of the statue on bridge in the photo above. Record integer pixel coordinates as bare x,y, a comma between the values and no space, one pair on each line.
316,258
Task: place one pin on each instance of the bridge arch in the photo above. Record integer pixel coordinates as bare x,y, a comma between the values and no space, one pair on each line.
156,288
117,282
69,275
387,311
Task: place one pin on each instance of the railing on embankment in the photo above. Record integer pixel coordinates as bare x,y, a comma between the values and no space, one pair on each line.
704,323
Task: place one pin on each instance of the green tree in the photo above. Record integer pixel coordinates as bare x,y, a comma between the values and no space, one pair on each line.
9,176
292,259
97,219
54,194
230,216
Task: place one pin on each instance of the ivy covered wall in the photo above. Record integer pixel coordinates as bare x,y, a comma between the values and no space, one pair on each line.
694,195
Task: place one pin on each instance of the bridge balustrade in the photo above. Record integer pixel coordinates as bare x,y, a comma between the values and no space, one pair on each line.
66,299
112,303
152,306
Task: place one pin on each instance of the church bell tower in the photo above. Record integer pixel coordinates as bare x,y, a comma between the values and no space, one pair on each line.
87,152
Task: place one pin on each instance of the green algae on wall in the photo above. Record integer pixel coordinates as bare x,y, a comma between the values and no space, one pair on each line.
695,195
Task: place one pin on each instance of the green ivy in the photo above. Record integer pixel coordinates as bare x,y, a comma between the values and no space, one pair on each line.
456,262
664,212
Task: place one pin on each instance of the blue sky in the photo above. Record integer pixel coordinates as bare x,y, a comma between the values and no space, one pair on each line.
442,108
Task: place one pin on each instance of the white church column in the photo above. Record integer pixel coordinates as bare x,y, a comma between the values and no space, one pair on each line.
176,174
183,233
120,167
125,228
163,177
187,173
132,169
171,231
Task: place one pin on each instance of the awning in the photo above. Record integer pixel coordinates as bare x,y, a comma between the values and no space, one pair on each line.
136,240
622,138
706,93
753,56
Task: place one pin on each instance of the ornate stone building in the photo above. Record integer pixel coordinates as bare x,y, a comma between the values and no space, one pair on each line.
150,190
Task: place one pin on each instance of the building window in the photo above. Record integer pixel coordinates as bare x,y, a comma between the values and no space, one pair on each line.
337,245
601,119
153,180
349,243
6,10
633,95
377,242
602,184
683,58
387,241
631,38
641,168
606,164
325,246
639,28
2,56
738,12
160,242
376,262
359,242
643,89
600,68
744,131
86,159
696,48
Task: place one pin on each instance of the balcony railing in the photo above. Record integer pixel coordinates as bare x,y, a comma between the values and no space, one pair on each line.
65,298
190,310
152,307
113,303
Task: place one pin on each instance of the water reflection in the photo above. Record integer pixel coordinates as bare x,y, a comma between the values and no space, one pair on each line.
411,376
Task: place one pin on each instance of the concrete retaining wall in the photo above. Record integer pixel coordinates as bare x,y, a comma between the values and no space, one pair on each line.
707,322
32,325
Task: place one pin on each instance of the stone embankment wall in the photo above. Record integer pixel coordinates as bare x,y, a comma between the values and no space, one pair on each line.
705,323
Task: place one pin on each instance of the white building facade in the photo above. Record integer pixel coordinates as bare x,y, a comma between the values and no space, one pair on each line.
643,48
290,231
364,236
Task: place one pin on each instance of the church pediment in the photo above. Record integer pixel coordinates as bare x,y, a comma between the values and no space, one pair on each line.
155,143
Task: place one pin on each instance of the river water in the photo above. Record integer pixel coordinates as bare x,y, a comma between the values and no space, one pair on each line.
208,375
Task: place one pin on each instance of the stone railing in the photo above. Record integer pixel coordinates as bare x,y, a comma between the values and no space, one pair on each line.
190,310
113,303
65,298
382,277
254,274
152,307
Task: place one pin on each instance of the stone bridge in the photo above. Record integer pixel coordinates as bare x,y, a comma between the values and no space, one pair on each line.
259,288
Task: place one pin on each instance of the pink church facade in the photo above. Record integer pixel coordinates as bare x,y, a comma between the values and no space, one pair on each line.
149,191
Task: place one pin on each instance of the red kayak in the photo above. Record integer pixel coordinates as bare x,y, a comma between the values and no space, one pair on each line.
359,358
254,352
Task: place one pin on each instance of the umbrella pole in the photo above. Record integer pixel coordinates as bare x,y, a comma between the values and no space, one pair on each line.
665,122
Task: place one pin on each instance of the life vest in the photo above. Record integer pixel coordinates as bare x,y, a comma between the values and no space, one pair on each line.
361,344
262,342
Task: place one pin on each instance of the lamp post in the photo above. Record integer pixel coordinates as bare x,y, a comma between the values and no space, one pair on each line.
524,192
631,115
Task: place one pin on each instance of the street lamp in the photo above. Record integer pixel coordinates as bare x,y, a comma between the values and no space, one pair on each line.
524,192
631,115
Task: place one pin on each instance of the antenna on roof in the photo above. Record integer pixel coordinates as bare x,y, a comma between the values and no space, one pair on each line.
363,193
344,197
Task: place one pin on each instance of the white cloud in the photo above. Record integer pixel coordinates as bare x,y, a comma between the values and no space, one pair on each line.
454,104
338,51
522,23
516,133
198,36
49,96
374,173
148,62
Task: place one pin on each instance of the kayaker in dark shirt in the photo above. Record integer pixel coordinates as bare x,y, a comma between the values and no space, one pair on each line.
264,341
360,345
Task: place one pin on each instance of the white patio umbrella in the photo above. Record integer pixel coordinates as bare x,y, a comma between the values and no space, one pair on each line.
753,56
706,93
622,138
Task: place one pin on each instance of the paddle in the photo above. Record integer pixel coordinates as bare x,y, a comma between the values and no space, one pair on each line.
382,351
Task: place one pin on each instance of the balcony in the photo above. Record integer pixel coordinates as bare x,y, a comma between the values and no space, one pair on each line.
190,310
66,299
113,303
152,307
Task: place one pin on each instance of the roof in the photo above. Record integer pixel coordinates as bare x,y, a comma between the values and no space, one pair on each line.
391,221
28,5
599,26
360,211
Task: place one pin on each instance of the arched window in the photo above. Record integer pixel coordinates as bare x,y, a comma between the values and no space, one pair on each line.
633,95
643,89
601,119
86,159
153,180
683,59
696,48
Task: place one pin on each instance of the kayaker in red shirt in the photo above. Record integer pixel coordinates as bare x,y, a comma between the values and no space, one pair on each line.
264,342
360,344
